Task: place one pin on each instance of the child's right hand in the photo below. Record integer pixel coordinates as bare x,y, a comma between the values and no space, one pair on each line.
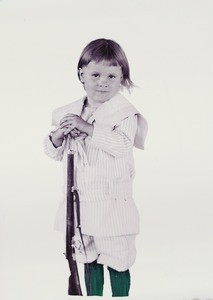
59,135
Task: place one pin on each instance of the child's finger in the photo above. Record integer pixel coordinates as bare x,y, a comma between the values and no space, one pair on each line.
75,130
66,124
67,118
68,130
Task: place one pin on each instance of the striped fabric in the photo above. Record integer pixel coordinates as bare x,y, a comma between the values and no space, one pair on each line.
118,253
104,170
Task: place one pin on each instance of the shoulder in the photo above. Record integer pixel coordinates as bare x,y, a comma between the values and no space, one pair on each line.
121,108
119,101
73,107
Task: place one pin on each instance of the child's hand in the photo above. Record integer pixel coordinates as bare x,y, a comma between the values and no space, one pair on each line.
58,135
72,122
74,133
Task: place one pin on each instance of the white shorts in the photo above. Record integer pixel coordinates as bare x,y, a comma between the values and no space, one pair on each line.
117,252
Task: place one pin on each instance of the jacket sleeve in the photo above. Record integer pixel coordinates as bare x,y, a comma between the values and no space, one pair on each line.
51,150
117,141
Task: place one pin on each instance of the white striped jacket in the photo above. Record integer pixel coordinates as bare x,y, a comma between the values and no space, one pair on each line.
104,167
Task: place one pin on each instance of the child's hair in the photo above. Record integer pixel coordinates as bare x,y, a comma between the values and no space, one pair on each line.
109,51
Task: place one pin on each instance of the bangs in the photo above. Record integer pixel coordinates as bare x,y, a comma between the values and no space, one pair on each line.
102,54
107,61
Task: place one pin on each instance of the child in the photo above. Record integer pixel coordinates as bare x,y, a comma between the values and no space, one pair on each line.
103,127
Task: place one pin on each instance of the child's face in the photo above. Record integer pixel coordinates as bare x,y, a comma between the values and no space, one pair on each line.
101,81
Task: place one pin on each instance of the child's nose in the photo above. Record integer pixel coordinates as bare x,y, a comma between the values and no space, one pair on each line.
103,81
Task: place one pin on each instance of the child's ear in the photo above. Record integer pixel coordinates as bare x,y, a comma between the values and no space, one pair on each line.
81,75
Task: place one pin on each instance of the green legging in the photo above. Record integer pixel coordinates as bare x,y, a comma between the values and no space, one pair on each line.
94,279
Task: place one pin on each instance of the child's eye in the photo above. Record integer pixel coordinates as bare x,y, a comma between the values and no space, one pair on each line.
111,76
95,75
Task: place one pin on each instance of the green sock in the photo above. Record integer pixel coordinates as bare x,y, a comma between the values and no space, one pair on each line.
94,279
120,282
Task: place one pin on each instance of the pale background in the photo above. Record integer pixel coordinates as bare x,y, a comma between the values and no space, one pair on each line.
169,46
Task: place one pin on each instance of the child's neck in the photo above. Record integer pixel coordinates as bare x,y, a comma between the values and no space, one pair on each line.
91,105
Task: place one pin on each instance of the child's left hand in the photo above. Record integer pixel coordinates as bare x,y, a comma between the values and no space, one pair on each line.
74,121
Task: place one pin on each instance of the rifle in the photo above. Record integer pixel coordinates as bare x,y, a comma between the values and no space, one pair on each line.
74,287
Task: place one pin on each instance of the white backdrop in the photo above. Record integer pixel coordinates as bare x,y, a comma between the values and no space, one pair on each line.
169,47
